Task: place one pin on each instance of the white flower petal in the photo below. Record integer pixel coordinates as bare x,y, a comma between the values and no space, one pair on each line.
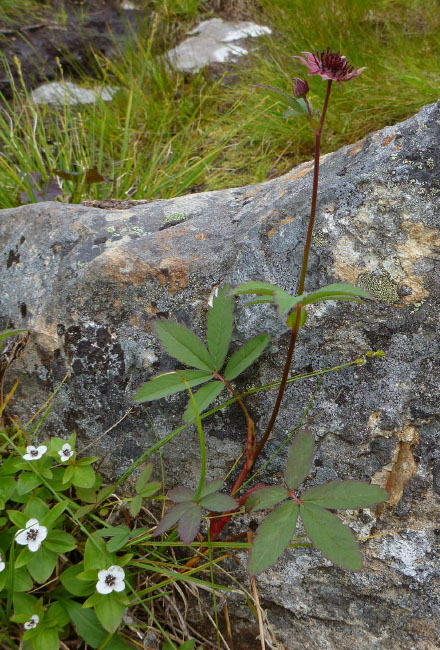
103,588
34,544
42,533
32,623
119,585
2,566
21,537
102,575
42,449
117,571
33,523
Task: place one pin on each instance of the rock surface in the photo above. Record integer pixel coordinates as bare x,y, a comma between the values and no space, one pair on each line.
88,284
215,42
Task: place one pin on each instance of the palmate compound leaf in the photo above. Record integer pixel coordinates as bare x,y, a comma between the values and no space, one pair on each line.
329,535
299,459
273,537
169,383
336,291
182,344
272,293
220,325
189,523
266,497
172,517
245,356
203,398
212,486
345,495
218,502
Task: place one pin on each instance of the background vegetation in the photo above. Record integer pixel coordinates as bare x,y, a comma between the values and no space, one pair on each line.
167,133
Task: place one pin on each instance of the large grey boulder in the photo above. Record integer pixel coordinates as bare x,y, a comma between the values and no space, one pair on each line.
88,284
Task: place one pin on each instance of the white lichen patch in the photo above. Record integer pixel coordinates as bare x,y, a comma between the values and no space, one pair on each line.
406,553
225,31
120,215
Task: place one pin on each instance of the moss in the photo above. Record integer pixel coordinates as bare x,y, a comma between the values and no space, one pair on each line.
380,286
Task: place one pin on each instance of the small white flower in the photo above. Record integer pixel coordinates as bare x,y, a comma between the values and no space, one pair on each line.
111,579
34,453
32,535
2,564
66,452
32,623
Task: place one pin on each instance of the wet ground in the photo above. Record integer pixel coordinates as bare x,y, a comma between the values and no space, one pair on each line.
64,33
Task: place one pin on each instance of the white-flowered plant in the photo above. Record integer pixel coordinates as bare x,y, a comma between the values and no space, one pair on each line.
35,619
2,564
66,452
32,535
34,453
111,579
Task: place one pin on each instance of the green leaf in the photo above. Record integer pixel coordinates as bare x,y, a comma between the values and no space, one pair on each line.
345,494
291,318
189,522
266,497
42,564
273,537
59,541
218,502
22,579
182,344
150,489
245,356
135,505
181,494
24,557
46,639
335,540
90,629
203,398
88,460
35,507
299,459
172,517
143,479
109,612
170,383
282,298
212,486
336,291
27,482
57,615
71,582
9,466
83,476
54,513
24,603
220,324
18,518
7,486
297,105
95,554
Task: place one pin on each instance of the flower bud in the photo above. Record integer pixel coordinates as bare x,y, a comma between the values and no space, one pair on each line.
300,88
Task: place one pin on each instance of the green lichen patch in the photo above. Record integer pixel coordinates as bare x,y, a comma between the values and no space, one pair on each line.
173,219
379,285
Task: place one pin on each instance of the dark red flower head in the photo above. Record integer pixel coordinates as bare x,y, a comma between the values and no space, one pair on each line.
300,87
330,66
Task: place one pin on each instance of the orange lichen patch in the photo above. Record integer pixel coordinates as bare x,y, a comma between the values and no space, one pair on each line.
264,217
122,266
117,305
356,148
395,476
273,230
200,236
164,237
173,272
250,194
422,242
134,320
151,310
301,171
397,147
387,140
345,272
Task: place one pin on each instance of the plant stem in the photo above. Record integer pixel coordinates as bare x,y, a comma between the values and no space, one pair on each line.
295,328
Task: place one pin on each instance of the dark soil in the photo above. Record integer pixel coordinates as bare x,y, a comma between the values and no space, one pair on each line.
87,27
